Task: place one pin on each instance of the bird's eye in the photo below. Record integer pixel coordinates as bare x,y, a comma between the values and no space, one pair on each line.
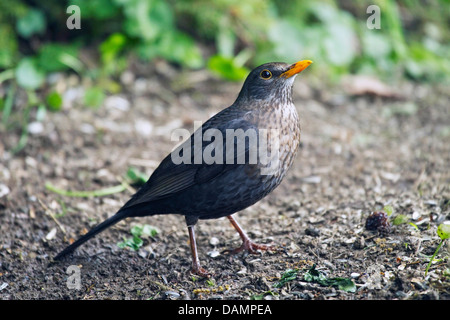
266,74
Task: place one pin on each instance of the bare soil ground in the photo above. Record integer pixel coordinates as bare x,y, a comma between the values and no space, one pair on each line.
359,153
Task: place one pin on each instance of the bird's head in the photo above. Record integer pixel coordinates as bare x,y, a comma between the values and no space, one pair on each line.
272,81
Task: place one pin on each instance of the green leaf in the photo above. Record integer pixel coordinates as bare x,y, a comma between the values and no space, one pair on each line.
399,219
136,231
149,230
388,209
314,275
97,9
338,44
136,177
41,112
262,295
112,46
28,75
226,68
8,46
288,275
54,101
8,104
134,243
51,56
93,97
33,22
345,284
144,231
147,19
443,231
179,47
288,40
225,42
375,45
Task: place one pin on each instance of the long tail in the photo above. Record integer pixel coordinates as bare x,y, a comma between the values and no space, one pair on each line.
121,214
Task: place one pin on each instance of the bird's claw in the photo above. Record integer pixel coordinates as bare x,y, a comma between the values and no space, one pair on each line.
201,272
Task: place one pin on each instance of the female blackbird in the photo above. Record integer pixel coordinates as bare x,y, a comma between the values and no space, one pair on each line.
232,161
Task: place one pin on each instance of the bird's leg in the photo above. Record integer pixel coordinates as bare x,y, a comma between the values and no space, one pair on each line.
247,244
196,267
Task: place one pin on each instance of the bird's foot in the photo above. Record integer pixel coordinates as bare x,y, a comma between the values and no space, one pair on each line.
250,247
199,271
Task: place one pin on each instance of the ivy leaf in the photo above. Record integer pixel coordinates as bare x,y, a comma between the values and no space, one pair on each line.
33,22
136,177
93,97
288,275
314,275
388,209
51,56
401,218
28,75
443,231
54,101
227,68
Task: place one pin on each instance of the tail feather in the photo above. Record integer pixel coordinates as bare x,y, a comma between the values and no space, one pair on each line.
122,214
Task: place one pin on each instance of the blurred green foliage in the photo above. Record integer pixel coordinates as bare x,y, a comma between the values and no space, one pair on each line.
228,37
412,40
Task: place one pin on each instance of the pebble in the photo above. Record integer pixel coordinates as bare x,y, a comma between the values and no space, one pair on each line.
242,271
71,95
213,253
312,232
117,102
127,77
214,241
35,127
416,215
172,294
51,235
311,179
87,128
4,190
143,127
140,86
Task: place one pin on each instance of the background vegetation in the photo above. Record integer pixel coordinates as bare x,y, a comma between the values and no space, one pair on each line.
227,37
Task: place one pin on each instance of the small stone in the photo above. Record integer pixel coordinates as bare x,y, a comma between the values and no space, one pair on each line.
143,127
117,102
312,232
172,294
213,253
35,128
214,241
4,190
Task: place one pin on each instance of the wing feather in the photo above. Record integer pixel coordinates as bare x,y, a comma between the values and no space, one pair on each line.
170,178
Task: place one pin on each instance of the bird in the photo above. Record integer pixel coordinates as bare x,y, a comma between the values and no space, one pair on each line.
233,160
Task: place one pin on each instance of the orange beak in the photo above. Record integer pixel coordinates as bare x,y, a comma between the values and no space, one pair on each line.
296,68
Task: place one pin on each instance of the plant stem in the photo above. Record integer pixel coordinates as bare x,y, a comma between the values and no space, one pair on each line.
432,258
86,194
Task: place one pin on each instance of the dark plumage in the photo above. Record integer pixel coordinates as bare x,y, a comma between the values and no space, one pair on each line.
207,190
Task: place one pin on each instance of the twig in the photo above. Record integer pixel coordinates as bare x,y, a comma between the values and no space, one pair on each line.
50,213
